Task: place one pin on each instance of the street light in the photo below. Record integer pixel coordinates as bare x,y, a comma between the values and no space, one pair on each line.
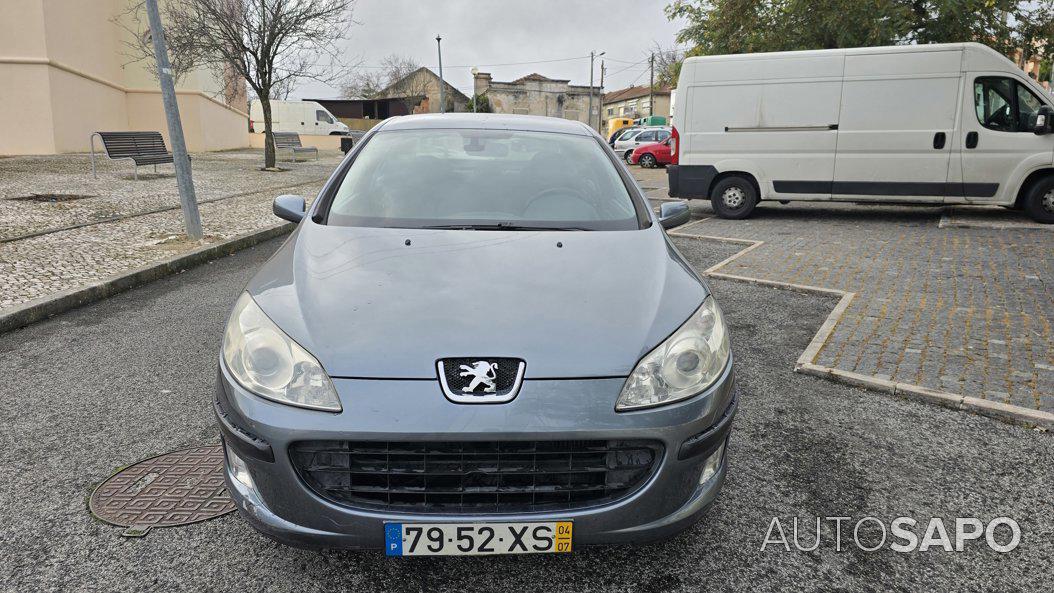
593,55
439,47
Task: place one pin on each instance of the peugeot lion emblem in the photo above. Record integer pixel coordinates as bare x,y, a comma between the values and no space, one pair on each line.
482,373
478,380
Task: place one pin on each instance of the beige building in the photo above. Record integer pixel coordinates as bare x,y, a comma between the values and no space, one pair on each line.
64,74
419,93
535,94
634,102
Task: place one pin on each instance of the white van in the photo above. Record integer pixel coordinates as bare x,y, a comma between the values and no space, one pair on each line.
950,123
302,117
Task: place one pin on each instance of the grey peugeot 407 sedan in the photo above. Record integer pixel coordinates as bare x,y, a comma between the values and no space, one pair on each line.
477,340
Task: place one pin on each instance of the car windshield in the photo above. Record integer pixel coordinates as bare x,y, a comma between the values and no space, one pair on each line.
483,179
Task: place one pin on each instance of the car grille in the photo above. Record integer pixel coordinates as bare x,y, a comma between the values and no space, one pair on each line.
489,477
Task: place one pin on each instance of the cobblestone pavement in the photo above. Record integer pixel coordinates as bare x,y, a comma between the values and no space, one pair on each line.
961,309
38,266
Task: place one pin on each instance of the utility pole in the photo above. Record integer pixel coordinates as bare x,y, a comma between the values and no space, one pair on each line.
187,200
600,115
439,46
651,86
593,55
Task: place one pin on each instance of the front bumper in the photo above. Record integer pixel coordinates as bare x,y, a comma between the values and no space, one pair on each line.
281,506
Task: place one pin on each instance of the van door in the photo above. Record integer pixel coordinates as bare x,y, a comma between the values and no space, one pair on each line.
896,126
998,145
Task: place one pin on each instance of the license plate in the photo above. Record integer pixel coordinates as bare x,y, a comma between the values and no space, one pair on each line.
473,539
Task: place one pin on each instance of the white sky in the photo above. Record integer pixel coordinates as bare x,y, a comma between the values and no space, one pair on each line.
482,32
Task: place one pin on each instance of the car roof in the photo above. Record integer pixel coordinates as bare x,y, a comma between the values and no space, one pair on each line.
486,121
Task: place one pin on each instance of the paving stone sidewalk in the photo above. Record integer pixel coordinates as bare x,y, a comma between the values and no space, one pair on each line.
963,309
35,267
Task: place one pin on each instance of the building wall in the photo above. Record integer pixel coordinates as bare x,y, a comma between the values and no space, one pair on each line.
64,75
634,108
425,82
552,98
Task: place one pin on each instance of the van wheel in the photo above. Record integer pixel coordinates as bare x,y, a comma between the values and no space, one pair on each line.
734,197
647,161
1040,201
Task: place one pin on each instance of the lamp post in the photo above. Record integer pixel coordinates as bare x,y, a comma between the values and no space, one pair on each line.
439,48
188,201
593,55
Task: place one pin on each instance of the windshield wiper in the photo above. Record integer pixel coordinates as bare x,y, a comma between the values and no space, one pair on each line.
502,226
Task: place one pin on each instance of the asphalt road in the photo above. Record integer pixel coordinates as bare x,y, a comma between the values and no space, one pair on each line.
112,383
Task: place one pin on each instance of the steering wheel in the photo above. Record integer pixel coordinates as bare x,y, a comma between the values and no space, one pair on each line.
1003,114
561,192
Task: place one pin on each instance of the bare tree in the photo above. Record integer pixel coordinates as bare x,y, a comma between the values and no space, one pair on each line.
667,65
398,77
139,46
270,43
364,83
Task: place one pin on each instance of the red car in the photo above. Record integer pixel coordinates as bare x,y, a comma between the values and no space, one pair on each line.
652,155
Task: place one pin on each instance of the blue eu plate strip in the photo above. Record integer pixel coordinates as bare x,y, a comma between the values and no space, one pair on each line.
393,539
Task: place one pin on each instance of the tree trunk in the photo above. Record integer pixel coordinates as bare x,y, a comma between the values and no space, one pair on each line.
269,150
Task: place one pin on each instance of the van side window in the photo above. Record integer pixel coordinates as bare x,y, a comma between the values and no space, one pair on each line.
1027,106
1005,104
323,116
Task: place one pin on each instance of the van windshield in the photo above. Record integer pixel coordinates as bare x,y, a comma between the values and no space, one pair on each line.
483,179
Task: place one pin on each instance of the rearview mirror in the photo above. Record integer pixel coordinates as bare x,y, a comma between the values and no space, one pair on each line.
673,214
1043,121
289,207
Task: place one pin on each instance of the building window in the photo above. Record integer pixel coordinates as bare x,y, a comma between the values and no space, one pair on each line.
611,111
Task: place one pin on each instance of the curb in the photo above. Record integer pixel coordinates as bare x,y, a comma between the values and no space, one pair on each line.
42,308
805,364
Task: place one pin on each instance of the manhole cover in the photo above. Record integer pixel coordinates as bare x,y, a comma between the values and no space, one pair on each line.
51,197
172,489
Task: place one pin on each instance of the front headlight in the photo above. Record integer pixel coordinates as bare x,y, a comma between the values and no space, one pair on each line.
270,364
686,363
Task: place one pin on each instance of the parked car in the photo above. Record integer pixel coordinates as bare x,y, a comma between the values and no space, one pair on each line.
625,144
652,155
939,124
622,132
302,117
477,340
616,124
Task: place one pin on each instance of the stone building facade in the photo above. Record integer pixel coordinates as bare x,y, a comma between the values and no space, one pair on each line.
535,94
419,93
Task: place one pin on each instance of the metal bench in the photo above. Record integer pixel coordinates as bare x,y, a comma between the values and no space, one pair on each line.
291,141
142,148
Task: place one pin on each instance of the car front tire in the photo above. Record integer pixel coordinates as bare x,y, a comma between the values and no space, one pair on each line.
734,197
1039,204
628,157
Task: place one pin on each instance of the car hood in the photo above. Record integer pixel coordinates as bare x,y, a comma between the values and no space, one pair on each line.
389,303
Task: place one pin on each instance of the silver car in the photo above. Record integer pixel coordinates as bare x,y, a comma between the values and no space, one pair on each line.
477,340
625,144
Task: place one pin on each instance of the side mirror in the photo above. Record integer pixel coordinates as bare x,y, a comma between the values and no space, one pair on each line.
673,214
289,208
1043,121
